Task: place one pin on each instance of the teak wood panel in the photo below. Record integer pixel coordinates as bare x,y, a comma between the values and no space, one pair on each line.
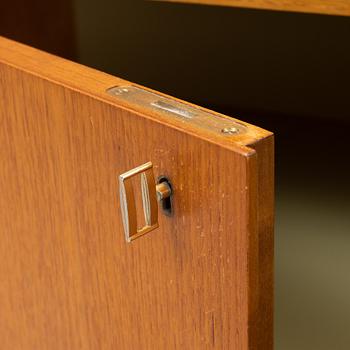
68,279
331,7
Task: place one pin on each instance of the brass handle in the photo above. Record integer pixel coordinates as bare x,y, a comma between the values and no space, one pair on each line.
150,193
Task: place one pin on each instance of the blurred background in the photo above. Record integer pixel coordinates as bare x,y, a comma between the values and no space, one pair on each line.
286,72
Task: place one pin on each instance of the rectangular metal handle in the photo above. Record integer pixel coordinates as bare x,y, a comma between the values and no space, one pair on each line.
149,199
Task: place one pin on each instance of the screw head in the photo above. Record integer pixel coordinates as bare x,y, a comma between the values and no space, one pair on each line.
229,131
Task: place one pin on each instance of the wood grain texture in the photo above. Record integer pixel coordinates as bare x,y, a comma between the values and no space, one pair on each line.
262,297
331,7
203,280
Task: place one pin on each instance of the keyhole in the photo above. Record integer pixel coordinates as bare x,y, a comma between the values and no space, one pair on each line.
166,203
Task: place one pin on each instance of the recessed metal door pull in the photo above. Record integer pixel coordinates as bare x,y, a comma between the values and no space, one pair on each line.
151,192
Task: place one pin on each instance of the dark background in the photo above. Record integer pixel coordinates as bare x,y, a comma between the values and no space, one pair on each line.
286,72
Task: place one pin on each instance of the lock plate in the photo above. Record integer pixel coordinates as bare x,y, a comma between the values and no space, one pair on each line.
188,114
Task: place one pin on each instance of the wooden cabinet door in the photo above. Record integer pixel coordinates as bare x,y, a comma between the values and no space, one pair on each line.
68,279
